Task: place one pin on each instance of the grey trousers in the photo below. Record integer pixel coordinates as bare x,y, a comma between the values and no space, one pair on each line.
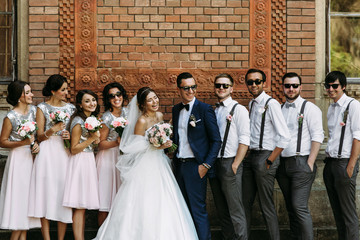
341,191
231,186
258,179
295,179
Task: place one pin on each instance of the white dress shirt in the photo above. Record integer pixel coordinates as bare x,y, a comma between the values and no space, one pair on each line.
276,133
335,117
184,146
239,131
312,128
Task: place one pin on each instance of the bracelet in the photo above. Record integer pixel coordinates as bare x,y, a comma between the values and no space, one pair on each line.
46,135
206,165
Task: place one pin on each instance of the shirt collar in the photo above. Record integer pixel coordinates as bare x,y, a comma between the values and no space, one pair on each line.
260,98
227,102
341,101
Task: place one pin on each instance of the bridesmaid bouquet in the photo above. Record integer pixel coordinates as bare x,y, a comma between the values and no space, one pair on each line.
92,124
26,129
159,134
61,116
119,124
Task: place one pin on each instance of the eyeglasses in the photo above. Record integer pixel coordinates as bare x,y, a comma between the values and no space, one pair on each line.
294,85
334,86
187,88
223,85
256,81
117,94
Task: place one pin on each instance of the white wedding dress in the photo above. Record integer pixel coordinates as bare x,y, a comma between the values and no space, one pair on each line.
149,204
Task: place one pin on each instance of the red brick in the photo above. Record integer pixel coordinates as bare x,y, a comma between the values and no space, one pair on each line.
157,3
233,19
112,48
157,49
120,56
36,56
173,33
233,64
308,27
127,18
196,41
302,64
119,40
218,34
128,64
226,11
43,18
181,57
196,10
241,57
151,10
157,18
151,41
151,56
234,34
172,18
156,34
293,11
173,3
142,18
130,3
226,41
112,64
42,64
293,27
181,41
166,56
203,49
188,34
143,64
233,3
135,41
127,33
188,3
308,42
166,26
120,25
112,18
211,26
294,42
166,41
187,18
52,56
51,10
233,49
227,26
41,3
211,41
150,26
140,25
43,48
211,56
36,10
135,10
218,49
301,4
158,64
181,11
196,26
119,10
111,33
51,71
127,48
36,25
308,57
301,35
143,33
300,19
104,10
293,57
183,26
166,10
196,57
218,64
49,41
211,11
173,64
188,65
135,56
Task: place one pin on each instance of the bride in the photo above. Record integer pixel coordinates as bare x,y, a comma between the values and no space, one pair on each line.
149,204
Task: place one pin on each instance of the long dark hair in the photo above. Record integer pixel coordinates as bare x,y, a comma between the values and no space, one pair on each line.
78,99
141,96
15,90
106,96
53,83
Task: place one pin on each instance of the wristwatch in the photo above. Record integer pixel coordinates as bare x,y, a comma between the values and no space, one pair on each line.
269,162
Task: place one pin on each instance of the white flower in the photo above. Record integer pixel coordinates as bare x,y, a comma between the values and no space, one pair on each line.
193,123
261,110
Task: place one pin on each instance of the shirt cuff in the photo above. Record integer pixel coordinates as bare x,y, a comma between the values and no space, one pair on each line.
318,138
356,135
244,140
283,144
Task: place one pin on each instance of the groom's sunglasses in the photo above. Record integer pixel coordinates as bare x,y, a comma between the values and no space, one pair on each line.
117,94
187,88
288,85
224,85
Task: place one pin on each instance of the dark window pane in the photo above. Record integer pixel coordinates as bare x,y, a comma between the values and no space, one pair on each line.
344,5
345,45
6,39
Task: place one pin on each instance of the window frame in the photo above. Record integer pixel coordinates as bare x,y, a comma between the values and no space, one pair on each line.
13,62
328,35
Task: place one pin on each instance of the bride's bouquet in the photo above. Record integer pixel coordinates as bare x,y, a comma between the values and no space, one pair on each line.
159,134
119,124
92,124
61,116
26,129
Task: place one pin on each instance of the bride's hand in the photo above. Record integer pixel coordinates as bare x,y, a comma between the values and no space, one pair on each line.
167,144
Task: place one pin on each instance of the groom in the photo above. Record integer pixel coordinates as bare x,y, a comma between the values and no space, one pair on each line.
197,135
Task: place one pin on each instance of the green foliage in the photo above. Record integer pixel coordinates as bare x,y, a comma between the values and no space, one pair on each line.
343,61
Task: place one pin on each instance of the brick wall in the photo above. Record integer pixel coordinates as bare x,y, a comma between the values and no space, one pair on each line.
164,35
301,43
159,34
43,43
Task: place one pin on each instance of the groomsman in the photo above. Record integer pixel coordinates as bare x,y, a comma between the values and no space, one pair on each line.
197,136
341,163
297,169
269,135
234,125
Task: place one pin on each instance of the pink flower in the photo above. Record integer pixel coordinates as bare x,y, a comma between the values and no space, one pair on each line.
229,118
342,124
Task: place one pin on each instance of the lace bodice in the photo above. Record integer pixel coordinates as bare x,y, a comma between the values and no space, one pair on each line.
84,133
107,118
16,119
47,109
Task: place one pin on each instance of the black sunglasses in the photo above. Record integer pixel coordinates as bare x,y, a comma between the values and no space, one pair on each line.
294,85
251,82
224,85
187,88
334,86
117,94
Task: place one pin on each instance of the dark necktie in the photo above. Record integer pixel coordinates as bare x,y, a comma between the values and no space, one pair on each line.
219,104
186,106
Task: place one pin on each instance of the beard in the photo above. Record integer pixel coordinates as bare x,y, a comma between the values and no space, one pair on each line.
292,98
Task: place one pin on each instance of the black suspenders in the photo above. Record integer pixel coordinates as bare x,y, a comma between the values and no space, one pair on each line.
343,130
227,131
263,123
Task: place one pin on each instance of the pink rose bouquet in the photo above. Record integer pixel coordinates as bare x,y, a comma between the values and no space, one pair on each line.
26,129
119,124
61,116
159,134
92,124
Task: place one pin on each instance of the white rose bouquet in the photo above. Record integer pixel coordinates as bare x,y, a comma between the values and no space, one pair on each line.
119,124
92,124
159,134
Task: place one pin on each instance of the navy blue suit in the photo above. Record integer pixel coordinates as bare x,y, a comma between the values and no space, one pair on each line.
205,143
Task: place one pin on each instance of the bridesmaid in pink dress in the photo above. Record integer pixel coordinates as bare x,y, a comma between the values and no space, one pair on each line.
50,167
16,180
81,188
114,96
